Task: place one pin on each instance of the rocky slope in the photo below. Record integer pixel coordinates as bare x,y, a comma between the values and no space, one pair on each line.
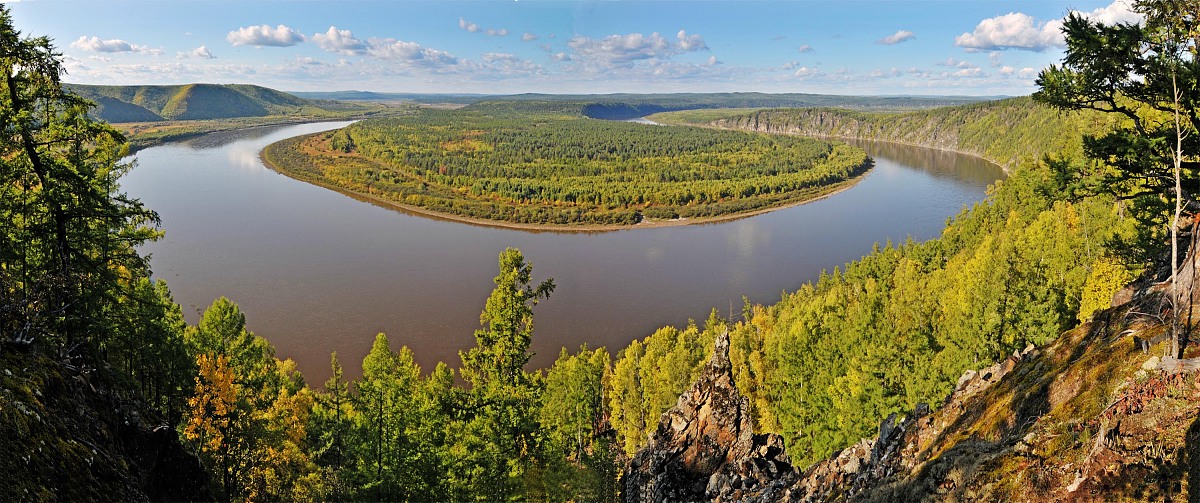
70,433
705,447
1088,417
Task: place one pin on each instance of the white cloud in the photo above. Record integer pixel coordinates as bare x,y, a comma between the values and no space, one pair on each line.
410,53
885,74
805,48
969,73
96,44
307,61
955,63
340,41
562,56
1014,30
1027,72
201,52
528,37
508,65
691,42
469,26
712,61
475,28
1006,70
896,38
994,58
1017,30
1120,11
264,35
626,50
805,72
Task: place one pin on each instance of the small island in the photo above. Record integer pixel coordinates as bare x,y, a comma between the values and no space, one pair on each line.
549,166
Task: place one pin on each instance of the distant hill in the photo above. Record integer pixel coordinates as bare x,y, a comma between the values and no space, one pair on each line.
463,99
191,102
625,105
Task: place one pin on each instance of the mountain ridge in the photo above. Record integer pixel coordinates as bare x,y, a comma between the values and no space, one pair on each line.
196,101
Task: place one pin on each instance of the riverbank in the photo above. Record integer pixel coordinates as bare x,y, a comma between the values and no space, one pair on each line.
309,158
527,168
646,223
143,135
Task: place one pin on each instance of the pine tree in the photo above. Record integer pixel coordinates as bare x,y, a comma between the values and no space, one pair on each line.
502,429
1148,74
68,243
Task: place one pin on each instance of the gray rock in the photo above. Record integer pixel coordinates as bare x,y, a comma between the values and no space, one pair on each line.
705,447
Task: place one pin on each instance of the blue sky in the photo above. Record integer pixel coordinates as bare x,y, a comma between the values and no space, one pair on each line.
928,47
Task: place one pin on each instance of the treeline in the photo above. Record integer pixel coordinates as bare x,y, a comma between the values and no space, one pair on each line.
1005,132
400,433
542,163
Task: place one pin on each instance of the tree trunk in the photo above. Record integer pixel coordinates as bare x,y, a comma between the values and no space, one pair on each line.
1177,334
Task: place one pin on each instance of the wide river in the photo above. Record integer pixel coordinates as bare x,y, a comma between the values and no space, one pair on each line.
316,271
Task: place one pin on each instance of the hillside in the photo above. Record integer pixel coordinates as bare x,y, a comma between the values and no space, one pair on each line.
152,115
1093,415
74,422
119,104
1031,130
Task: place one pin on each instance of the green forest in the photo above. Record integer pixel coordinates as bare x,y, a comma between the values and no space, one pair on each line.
1029,129
545,163
1085,209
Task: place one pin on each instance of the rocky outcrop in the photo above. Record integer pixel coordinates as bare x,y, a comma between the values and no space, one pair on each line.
1090,416
871,462
705,448
1086,418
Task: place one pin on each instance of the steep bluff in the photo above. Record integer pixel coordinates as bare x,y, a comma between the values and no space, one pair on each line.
1090,416
1031,130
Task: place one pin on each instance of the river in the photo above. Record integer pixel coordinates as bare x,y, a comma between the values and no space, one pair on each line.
316,271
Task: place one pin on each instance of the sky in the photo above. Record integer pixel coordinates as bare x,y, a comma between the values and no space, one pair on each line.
851,47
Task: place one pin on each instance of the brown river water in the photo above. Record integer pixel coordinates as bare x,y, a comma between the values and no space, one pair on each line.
317,271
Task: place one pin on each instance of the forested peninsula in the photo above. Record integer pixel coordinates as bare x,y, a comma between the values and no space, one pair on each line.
547,165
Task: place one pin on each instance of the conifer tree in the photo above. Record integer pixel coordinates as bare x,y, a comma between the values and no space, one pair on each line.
1148,74
502,428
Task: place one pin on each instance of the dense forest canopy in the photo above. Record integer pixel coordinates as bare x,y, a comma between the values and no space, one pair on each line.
544,163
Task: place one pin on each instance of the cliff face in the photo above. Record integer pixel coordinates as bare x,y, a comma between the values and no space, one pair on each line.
705,447
1030,130
1090,416
70,433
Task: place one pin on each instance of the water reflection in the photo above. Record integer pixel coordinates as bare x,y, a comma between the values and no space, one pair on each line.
223,138
940,163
